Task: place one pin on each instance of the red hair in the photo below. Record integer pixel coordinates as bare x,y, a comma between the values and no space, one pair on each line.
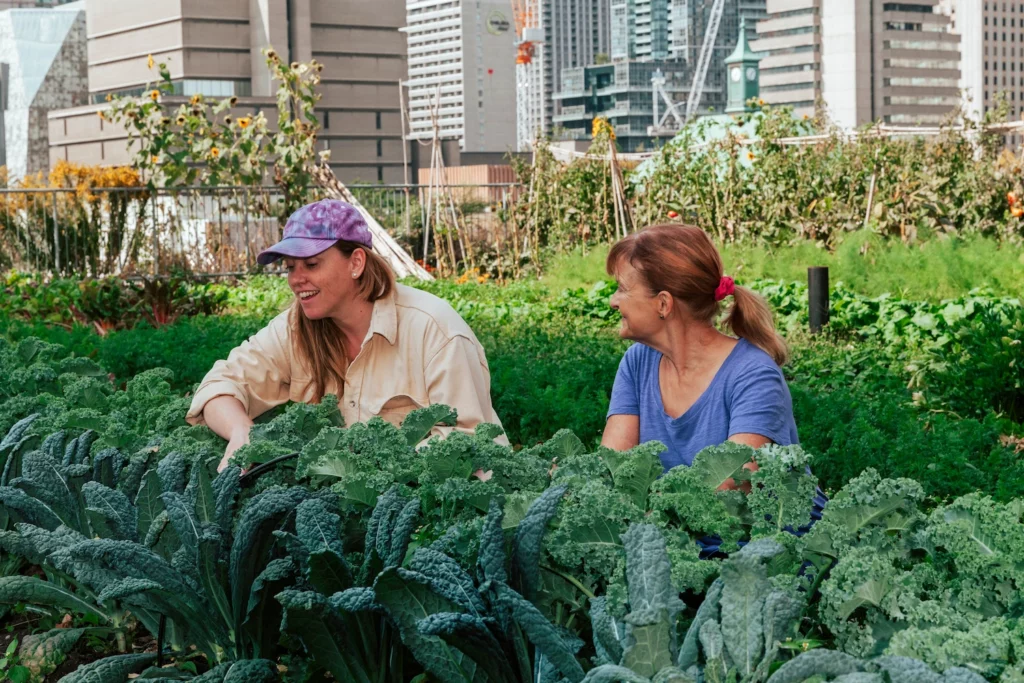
681,260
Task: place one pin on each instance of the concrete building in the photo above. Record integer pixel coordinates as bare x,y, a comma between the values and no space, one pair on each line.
789,39
461,56
991,52
577,33
42,68
620,92
215,48
674,30
867,60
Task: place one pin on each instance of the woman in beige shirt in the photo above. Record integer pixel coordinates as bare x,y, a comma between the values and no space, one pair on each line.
383,348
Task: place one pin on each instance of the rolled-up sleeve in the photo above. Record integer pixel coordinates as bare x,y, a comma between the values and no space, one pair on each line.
257,373
457,376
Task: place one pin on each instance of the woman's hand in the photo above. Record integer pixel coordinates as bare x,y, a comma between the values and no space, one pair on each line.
730,483
239,438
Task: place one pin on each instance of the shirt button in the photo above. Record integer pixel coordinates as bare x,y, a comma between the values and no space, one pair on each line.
352,403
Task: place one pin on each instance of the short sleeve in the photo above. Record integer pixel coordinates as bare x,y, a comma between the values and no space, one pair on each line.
761,404
625,392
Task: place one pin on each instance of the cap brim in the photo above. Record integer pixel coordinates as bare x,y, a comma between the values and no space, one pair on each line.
294,247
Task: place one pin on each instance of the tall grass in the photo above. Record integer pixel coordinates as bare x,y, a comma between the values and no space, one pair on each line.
935,270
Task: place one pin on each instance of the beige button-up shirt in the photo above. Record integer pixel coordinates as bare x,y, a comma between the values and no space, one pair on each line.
417,352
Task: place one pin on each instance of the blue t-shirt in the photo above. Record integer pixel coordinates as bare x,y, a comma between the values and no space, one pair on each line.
748,395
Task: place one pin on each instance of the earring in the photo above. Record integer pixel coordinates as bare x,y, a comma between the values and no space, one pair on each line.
354,276
661,315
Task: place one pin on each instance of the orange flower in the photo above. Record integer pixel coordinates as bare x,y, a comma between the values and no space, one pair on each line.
1017,211
244,122
154,95
196,99
673,214
154,159
101,114
214,152
750,156
1011,198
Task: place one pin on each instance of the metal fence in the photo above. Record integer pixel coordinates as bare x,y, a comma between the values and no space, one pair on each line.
207,231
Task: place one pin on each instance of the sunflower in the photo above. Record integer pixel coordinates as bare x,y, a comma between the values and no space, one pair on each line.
750,156
228,120
154,159
149,62
154,95
180,120
101,114
196,99
244,122
214,152
110,98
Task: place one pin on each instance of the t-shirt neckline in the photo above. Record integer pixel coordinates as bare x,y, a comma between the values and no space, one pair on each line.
700,399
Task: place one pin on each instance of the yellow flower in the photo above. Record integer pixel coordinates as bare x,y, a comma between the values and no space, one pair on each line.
750,156
244,122
154,95
760,102
101,114
180,120
214,152
149,62
110,97
154,159
196,99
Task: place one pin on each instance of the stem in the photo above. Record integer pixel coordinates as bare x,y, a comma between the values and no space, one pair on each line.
571,579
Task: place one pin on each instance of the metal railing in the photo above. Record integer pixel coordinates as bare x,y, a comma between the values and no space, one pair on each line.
206,231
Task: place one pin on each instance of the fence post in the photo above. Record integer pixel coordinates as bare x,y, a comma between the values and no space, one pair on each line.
245,221
56,236
817,297
156,238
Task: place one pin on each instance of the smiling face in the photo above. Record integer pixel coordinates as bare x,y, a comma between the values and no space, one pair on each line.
326,282
637,304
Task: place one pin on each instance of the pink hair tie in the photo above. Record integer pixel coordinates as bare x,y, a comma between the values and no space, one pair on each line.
726,287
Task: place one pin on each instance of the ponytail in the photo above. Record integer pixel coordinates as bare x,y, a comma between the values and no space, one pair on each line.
750,318
682,260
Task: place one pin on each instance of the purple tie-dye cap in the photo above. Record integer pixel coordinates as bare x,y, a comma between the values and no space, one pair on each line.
317,227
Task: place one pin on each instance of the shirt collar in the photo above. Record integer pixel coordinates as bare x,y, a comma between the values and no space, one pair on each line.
384,320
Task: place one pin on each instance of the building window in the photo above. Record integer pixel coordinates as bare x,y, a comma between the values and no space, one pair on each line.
378,121
327,119
380,174
380,148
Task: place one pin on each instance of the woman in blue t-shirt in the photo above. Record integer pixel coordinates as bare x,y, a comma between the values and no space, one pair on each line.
686,384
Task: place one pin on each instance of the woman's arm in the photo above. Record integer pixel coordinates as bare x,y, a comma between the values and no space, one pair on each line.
227,417
621,432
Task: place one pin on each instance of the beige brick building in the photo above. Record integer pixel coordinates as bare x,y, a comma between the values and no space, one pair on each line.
866,60
215,49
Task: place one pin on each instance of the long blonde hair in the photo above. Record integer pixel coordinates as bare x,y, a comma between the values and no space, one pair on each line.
682,260
320,343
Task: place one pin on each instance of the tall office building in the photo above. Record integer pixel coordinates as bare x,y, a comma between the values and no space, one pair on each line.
867,60
577,33
42,68
789,39
461,57
659,30
216,49
991,50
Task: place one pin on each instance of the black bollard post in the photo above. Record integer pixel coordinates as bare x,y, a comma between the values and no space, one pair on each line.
817,297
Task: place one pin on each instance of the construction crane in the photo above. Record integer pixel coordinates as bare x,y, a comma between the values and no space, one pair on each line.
700,74
529,69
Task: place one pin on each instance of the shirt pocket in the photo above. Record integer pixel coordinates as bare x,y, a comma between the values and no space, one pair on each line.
395,409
